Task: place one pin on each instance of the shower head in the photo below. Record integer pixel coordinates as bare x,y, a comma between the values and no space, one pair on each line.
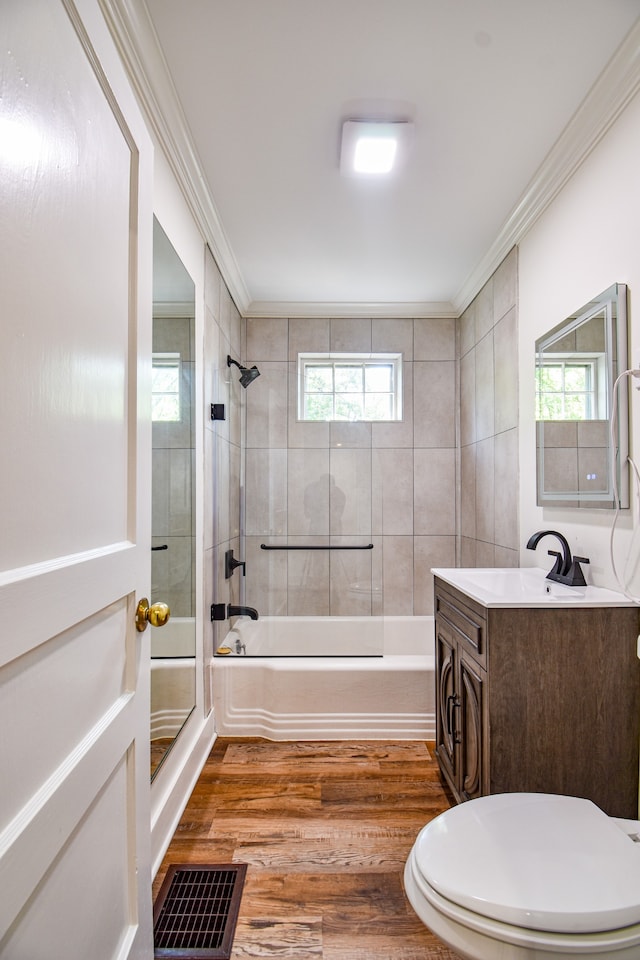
247,375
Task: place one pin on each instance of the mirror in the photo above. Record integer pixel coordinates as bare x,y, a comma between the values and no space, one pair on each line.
577,363
173,665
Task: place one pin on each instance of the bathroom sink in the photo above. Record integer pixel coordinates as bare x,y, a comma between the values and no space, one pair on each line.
525,587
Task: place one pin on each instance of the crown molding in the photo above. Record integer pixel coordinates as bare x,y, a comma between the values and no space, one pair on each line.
135,37
306,309
137,42
611,93
173,310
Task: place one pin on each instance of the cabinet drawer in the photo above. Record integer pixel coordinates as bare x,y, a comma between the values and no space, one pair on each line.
468,626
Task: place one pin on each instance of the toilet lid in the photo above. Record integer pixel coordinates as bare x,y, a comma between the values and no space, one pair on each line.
538,861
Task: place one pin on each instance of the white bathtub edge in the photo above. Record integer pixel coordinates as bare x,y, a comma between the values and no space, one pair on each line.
328,726
238,684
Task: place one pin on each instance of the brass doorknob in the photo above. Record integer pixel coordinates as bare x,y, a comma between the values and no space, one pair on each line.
157,615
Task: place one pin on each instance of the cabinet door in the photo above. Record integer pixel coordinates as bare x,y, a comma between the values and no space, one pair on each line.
446,701
470,727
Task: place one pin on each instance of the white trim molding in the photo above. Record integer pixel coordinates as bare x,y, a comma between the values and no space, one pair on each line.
138,45
140,50
173,309
610,94
405,310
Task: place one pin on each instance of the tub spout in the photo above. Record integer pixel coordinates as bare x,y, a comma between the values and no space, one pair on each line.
237,611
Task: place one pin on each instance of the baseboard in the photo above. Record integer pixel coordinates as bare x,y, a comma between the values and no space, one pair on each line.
174,783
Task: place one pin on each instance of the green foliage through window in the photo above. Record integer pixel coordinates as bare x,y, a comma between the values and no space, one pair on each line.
165,387
350,387
565,390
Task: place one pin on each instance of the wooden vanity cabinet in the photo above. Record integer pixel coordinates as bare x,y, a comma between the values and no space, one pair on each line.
542,700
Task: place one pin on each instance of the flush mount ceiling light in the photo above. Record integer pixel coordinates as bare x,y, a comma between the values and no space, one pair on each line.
373,148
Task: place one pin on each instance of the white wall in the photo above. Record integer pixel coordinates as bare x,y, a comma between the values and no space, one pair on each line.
586,240
175,218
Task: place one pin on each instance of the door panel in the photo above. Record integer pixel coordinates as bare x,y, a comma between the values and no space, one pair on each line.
75,176
446,718
471,705
70,374
66,708
66,893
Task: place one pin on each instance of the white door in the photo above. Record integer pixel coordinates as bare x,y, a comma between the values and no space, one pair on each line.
75,317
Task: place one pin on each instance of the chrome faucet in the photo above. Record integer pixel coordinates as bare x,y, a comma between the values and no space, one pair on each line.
566,569
233,610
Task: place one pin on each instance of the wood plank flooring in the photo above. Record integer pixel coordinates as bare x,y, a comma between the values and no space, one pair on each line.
325,828
159,749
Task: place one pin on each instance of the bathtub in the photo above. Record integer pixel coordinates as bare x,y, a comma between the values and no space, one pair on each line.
173,676
300,695
177,638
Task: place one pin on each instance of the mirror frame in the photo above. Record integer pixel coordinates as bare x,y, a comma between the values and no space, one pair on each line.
173,300
613,301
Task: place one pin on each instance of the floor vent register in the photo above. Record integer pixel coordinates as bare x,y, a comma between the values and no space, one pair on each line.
196,910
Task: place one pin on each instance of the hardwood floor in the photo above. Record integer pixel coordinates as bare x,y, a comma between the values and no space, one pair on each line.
325,828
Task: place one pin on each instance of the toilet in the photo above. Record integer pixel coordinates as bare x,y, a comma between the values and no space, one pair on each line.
528,875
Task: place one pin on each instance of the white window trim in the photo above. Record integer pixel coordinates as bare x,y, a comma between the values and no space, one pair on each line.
311,359
596,396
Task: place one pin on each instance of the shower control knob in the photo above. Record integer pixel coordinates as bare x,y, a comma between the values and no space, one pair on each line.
157,614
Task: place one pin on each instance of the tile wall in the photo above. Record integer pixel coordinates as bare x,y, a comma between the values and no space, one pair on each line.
576,457
173,478
439,488
488,410
389,484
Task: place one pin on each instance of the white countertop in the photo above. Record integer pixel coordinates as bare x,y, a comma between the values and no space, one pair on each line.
525,587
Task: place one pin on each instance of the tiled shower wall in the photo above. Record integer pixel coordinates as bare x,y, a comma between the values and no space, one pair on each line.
173,460
438,488
389,484
489,478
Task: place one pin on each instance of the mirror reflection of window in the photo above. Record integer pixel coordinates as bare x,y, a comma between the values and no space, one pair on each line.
165,388
567,389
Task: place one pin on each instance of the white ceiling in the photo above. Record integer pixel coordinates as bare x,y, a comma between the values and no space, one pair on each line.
264,86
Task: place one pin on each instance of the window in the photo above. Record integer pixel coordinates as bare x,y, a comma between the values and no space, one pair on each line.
349,387
165,387
567,390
